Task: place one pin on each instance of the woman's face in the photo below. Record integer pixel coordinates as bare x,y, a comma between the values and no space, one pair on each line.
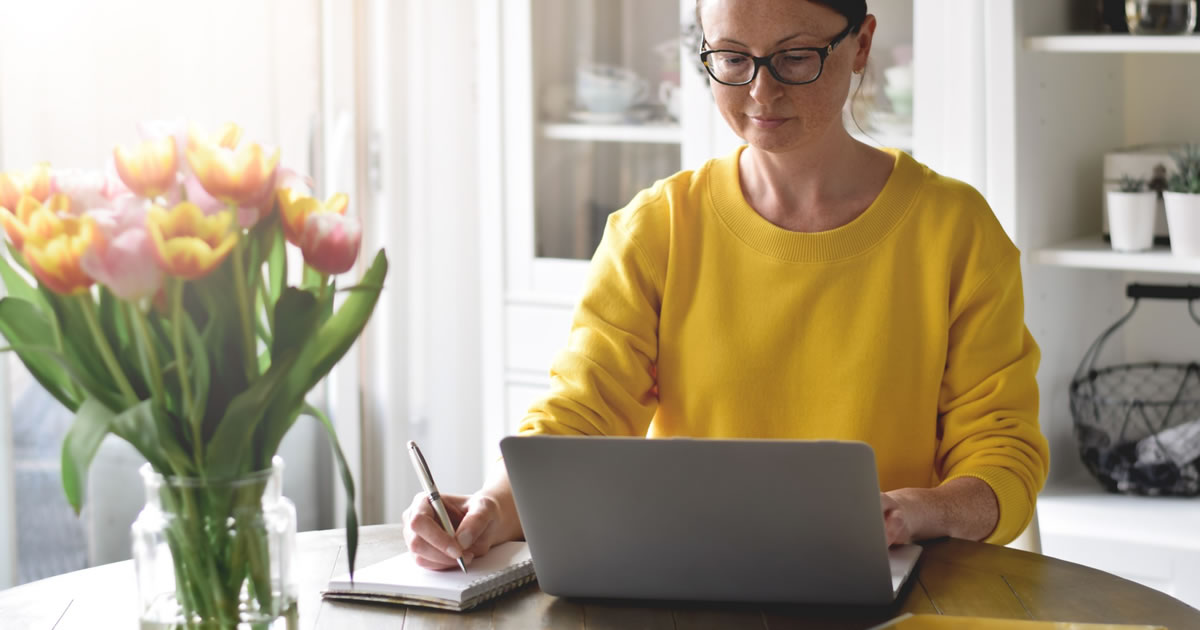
767,114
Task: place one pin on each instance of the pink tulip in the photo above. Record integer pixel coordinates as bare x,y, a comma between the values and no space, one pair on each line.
330,242
121,256
196,194
289,178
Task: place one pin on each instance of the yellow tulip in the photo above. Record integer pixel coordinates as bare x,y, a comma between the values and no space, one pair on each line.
35,183
54,247
295,208
232,172
20,223
10,190
188,244
148,169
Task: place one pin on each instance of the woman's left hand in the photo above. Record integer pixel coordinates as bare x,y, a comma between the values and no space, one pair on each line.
903,516
964,507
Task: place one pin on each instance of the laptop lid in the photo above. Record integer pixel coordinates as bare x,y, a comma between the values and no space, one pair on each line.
705,519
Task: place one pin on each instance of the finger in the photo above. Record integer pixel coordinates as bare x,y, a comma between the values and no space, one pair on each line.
478,519
436,566
424,527
430,558
898,531
456,506
482,541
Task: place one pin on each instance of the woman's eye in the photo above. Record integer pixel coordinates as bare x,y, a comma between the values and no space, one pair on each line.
733,60
797,58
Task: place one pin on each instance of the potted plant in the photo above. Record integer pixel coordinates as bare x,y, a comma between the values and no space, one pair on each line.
1131,210
1182,199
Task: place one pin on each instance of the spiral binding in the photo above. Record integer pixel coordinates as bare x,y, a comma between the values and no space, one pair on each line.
529,576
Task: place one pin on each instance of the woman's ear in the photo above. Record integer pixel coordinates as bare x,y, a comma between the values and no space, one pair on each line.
864,36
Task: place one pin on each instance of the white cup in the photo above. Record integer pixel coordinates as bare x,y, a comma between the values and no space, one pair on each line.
671,97
607,89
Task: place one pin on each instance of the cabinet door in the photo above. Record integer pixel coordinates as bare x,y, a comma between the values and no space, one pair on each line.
591,108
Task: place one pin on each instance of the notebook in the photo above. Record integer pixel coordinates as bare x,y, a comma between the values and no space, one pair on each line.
943,622
399,580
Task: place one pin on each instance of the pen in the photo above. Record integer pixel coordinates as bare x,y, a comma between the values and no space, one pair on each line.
435,498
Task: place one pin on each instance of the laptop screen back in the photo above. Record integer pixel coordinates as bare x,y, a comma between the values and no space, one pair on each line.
702,519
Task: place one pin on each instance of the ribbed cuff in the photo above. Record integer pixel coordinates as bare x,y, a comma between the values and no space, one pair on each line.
1015,504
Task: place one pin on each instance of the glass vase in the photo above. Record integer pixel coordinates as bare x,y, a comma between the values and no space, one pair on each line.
216,553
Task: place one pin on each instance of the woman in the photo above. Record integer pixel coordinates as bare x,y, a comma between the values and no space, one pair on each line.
807,286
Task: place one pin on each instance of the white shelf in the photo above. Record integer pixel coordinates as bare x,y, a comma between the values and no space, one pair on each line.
1093,253
1115,43
651,132
1082,508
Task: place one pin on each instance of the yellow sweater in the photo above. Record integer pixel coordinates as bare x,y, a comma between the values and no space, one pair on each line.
903,329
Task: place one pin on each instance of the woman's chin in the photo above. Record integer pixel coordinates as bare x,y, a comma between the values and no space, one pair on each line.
768,140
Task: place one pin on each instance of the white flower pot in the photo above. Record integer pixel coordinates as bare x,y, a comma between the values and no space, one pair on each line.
1131,219
1183,223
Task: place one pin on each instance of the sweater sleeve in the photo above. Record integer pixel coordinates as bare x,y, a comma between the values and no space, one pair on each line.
988,403
602,383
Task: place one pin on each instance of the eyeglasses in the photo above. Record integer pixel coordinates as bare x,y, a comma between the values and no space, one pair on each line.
793,66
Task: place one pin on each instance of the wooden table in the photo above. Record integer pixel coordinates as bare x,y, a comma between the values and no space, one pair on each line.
953,577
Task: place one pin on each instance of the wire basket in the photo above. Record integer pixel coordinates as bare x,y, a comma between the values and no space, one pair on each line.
1138,424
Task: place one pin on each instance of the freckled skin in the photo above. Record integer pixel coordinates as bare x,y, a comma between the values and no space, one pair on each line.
811,111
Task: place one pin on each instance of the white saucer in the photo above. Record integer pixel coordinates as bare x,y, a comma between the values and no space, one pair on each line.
634,115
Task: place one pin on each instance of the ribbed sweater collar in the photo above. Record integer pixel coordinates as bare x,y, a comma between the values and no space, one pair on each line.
870,227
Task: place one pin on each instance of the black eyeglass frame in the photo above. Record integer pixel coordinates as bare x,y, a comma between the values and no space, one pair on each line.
759,62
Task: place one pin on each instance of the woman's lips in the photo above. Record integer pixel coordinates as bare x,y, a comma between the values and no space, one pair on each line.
767,123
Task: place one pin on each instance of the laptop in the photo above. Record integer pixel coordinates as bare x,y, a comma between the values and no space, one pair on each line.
705,519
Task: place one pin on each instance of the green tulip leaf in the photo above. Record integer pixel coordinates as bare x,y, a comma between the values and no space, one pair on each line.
325,348
25,328
199,370
138,426
347,484
17,286
92,422
234,434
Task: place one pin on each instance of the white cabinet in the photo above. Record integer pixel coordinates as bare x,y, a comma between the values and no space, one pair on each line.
587,102
1056,102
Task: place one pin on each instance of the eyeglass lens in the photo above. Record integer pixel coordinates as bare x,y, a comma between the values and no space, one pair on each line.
790,66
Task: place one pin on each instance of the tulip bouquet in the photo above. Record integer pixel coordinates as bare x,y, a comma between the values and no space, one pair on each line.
153,300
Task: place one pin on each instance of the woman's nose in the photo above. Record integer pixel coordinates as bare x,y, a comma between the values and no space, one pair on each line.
764,88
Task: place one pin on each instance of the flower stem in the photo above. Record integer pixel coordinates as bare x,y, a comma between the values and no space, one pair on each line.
154,372
267,305
106,353
176,290
249,354
56,332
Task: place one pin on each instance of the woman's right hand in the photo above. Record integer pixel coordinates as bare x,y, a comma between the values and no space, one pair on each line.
481,521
